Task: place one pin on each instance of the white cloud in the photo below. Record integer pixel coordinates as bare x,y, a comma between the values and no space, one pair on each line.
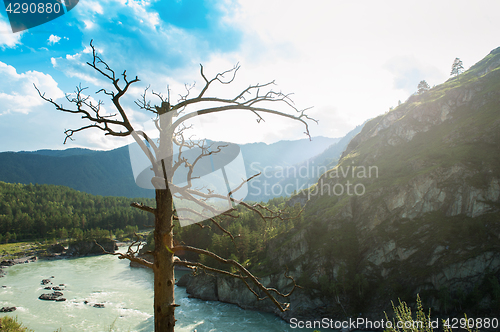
351,61
53,39
74,66
92,7
356,58
88,24
17,93
408,72
9,39
142,14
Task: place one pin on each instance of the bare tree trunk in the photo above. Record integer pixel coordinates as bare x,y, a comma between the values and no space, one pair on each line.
164,281
164,306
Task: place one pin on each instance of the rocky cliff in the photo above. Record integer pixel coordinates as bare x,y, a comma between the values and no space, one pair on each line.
412,207
85,248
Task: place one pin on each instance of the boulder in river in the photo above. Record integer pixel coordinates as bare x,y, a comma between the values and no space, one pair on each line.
56,296
46,281
99,305
8,309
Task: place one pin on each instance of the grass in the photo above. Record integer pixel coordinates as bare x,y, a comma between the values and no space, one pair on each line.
9,324
20,249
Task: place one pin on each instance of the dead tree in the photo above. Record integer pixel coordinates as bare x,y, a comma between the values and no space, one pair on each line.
169,122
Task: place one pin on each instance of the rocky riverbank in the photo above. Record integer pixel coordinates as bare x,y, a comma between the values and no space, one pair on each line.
211,287
35,251
11,262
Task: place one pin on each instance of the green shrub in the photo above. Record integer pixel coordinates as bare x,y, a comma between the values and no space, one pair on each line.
9,324
404,321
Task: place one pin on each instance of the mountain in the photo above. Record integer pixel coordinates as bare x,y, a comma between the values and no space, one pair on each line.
109,173
284,153
283,179
413,207
106,173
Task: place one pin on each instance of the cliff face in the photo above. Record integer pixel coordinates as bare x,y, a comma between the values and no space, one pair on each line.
426,219
412,207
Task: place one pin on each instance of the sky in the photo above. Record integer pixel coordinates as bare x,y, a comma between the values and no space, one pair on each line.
348,60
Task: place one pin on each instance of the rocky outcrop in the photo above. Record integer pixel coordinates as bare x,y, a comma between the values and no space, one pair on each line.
57,248
204,288
85,248
7,263
230,290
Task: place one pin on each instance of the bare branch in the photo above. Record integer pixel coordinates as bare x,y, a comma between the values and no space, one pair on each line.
245,274
208,268
131,255
253,109
217,78
143,207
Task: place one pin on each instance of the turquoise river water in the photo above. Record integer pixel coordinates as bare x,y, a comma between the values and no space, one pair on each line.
127,295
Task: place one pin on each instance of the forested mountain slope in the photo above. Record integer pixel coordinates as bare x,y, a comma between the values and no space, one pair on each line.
49,211
109,173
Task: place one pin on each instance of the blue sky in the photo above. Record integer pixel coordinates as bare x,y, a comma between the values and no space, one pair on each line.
351,61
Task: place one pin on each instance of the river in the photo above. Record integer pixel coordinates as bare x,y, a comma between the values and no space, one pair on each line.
127,295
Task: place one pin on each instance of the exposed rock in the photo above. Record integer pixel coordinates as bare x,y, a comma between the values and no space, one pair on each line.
226,289
8,309
56,296
205,288
7,263
98,305
46,281
57,248
183,281
85,248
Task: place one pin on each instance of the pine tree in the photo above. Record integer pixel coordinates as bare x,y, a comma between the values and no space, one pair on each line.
422,87
457,67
